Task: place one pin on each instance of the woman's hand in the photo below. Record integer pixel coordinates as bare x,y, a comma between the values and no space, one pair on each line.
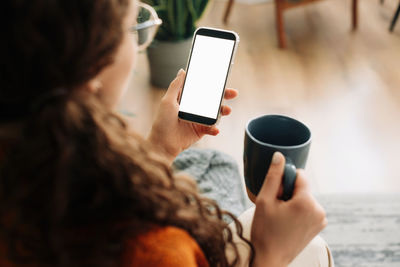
280,229
172,135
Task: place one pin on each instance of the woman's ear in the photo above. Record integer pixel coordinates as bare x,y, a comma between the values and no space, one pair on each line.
94,85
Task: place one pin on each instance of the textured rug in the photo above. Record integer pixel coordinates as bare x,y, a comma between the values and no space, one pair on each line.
363,230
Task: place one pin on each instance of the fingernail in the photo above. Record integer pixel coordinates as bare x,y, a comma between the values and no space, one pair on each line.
276,158
180,72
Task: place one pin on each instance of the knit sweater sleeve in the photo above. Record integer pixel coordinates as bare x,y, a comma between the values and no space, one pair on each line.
164,247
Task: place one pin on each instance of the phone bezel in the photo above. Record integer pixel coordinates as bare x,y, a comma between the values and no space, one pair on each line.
216,33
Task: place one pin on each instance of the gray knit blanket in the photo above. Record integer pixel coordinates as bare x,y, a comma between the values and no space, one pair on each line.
217,176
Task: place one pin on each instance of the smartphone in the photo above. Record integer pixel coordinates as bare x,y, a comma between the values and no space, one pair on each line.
211,58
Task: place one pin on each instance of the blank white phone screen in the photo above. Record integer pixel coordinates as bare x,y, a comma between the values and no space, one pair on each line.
206,76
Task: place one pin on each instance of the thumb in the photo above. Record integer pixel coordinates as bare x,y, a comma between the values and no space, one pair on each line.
176,86
273,179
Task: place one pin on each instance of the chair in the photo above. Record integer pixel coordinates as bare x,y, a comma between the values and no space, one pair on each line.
395,17
281,6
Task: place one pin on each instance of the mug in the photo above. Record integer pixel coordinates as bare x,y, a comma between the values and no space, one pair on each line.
263,137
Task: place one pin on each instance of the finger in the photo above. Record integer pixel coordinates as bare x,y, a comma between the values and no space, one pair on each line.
230,93
176,86
273,179
225,110
280,192
301,183
211,130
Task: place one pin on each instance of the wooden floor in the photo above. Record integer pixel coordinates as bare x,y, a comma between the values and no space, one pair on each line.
344,85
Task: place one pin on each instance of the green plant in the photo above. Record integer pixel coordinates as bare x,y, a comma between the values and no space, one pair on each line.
179,17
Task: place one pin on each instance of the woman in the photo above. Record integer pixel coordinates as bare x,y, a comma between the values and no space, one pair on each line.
78,188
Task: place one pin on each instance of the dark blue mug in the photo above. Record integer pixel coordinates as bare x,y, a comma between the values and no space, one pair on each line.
263,137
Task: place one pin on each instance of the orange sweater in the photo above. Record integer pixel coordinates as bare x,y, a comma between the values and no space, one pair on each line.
164,247
160,247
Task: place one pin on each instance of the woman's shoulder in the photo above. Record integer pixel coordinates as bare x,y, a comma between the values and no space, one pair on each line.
164,246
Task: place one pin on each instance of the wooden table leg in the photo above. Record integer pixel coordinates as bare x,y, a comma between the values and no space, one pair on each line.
228,11
280,30
355,14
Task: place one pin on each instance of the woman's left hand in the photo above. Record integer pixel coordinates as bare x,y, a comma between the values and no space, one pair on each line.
173,135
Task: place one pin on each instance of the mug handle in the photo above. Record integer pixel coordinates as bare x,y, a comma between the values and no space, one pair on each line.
289,179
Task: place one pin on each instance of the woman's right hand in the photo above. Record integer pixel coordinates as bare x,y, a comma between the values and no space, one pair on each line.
282,229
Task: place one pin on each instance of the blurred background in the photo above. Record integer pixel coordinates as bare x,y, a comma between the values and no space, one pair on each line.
343,83
332,64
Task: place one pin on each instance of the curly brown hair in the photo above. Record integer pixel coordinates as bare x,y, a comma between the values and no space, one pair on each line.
76,183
